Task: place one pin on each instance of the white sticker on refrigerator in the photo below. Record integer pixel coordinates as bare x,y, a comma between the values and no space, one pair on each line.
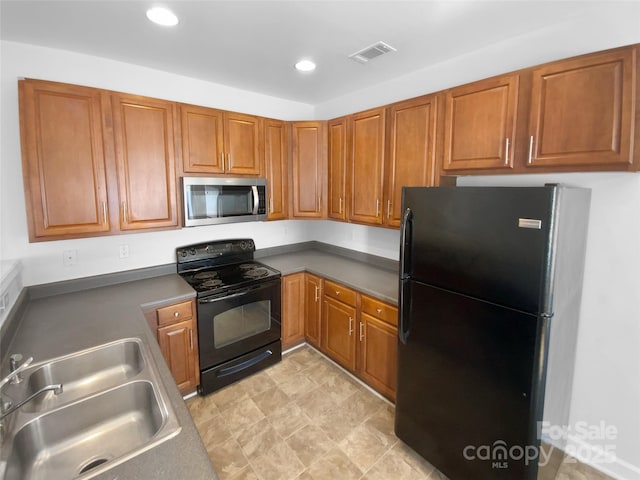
529,223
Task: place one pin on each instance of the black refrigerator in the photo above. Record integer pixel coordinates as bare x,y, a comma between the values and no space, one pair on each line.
490,287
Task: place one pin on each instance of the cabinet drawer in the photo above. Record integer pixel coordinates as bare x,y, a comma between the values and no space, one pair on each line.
175,313
380,310
340,292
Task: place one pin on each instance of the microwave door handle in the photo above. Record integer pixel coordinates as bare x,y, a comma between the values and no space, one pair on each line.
256,199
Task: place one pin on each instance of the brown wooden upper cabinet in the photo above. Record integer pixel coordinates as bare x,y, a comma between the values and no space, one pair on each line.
480,124
276,171
143,130
582,111
216,141
63,159
411,151
337,160
366,166
308,165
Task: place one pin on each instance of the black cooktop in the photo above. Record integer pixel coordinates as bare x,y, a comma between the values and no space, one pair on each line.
206,280
218,266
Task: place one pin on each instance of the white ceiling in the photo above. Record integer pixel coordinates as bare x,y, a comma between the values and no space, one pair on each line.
253,45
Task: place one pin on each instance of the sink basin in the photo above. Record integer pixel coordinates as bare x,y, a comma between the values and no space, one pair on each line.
92,435
85,372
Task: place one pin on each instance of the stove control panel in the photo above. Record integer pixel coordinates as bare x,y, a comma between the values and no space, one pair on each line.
217,249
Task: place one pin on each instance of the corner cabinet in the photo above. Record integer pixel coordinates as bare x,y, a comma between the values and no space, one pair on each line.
275,161
63,155
308,165
480,124
177,335
582,111
366,166
143,130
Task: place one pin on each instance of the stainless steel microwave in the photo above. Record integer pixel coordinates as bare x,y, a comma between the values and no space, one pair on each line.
213,200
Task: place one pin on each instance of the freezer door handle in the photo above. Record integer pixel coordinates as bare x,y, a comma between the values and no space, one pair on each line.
405,325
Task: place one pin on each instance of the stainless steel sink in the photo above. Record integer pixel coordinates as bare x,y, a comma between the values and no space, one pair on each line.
85,372
114,407
84,437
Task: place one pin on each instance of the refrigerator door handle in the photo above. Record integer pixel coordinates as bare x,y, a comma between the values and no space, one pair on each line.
404,246
404,327
405,259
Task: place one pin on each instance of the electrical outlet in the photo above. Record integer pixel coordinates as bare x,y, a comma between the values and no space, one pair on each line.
69,257
124,250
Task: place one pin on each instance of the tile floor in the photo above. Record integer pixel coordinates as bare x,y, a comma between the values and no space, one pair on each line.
306,419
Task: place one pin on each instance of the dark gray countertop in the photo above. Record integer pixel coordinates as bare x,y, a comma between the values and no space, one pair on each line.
373,280
62,324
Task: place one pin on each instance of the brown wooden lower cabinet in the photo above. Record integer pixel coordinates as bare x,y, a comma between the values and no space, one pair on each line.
338,332
293,309
357,331
312,309
176,331
378,345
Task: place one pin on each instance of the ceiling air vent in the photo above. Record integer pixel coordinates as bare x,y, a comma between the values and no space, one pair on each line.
371,52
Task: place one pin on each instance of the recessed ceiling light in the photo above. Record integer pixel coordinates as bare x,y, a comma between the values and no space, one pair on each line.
305,66
162,16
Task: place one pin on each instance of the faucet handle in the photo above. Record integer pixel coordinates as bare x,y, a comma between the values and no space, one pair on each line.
15,369
14,363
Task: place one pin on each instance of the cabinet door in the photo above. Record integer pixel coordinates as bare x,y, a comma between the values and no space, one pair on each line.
337,158
480,124
411,151
338,332
293,310
312,309
366,158
63,159
582,111
308,166
275,159
242,143
202,139
378,356
145,156
178,346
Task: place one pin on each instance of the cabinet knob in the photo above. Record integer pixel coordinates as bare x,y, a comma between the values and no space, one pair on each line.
378,310
337,292
176,314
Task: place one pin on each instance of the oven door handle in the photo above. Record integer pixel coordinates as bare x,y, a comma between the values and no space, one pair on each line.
225,297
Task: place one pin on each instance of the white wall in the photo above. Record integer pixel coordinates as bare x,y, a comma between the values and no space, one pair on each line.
607,377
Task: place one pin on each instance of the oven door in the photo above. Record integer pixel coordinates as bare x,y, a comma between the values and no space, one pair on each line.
238,322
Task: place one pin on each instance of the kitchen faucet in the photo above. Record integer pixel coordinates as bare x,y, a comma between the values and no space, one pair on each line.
6,408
